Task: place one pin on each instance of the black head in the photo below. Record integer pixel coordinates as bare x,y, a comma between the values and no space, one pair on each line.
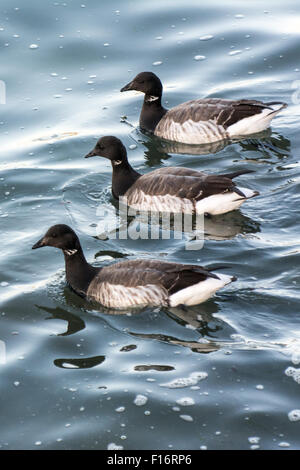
146,82
60,236
109,147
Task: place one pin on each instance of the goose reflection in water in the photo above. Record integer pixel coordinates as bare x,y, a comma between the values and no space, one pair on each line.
270,149
82,363
200,320
165,226
74,322
194,346
269,143
212,332
157,150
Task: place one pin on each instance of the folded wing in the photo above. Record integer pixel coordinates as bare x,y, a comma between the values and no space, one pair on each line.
147,282
179,182
210,120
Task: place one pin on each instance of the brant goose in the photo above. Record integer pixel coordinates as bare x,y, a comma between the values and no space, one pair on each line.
200,121
170,189
132,283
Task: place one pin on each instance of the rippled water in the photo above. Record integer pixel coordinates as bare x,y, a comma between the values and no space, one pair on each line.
219,375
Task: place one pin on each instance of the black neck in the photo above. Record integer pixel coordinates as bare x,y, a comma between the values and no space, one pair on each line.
123,177
152,112
79,273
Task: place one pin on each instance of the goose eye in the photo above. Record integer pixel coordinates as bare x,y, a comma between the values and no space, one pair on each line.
53,235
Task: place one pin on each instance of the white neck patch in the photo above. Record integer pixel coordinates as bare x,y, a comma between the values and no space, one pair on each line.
151,98
70,252
117,162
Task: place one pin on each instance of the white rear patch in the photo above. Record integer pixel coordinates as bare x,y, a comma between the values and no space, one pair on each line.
253,124
199,292
224,202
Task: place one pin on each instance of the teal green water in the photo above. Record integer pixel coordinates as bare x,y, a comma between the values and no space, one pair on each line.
70,372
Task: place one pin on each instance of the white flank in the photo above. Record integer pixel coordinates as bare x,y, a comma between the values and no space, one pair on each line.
224,202
190,132
138,200
253,124
199,292
119,296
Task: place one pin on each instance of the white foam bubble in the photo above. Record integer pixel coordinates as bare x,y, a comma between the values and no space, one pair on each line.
140,400
289,371
113,446
284,444
199,375
259,387
120,409
182,382
254,440
294,415
293,372
185,401
187,418
292,348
